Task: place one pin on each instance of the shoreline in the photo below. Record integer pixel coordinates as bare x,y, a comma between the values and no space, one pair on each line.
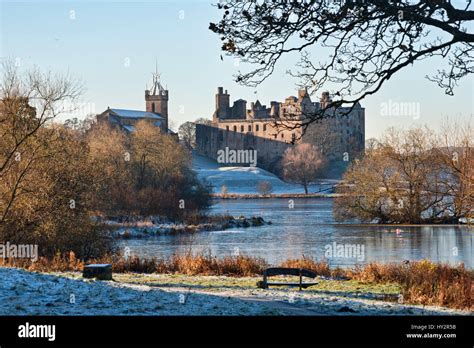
146,228
237,196
400,225
218,196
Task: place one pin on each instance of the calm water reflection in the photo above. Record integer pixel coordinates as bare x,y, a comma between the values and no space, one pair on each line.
307,229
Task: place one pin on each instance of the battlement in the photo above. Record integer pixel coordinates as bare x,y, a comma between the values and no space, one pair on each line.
161,94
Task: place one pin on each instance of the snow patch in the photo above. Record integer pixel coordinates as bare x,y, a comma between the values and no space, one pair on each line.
245,180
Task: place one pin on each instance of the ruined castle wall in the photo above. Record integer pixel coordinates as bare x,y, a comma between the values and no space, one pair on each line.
209,140
259,128
339,137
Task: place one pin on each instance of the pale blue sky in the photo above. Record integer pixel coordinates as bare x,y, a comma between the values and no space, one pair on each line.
96,40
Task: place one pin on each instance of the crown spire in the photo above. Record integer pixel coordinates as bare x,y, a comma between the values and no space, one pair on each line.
157,88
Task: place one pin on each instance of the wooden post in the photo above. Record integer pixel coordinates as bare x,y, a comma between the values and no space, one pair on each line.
301,279
98,271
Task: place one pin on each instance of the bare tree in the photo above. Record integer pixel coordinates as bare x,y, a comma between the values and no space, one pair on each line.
408,177
110,157
187,134
302,164
363,191
163,176
156,157
46,182
27,104
202,120
366,42
456,154
416,187
187,131
323,135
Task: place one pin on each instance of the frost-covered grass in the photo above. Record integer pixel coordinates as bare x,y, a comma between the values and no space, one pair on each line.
67,293
30,293
419,282
217,283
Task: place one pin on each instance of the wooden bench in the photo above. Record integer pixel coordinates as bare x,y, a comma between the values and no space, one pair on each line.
98,271
275,271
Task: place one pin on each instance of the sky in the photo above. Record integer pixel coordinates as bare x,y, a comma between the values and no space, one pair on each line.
112,47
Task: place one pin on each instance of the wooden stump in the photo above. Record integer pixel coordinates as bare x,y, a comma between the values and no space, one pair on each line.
98,271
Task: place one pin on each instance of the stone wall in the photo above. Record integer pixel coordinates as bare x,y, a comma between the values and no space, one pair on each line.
209,140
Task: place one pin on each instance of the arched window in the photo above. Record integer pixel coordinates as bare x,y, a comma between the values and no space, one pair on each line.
264,127
241,128
256,127
235,128
250,128
152,107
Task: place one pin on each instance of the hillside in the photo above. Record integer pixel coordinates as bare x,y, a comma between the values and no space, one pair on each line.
245,179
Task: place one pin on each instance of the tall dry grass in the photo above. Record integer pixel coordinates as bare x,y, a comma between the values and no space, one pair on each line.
422,282
199,264
321,268
59,263
188,263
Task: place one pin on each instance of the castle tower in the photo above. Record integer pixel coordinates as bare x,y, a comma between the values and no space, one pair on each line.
304,100
222,104
325,99
156,100
302,93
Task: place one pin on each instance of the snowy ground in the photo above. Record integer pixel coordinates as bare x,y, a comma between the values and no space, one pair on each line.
244,180
27,293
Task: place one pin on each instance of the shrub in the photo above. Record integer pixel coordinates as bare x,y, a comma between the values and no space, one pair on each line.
264,187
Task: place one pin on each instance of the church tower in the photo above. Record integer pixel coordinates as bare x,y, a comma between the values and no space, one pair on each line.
156,100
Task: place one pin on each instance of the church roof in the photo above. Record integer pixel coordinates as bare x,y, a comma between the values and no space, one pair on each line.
129,129
135,114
